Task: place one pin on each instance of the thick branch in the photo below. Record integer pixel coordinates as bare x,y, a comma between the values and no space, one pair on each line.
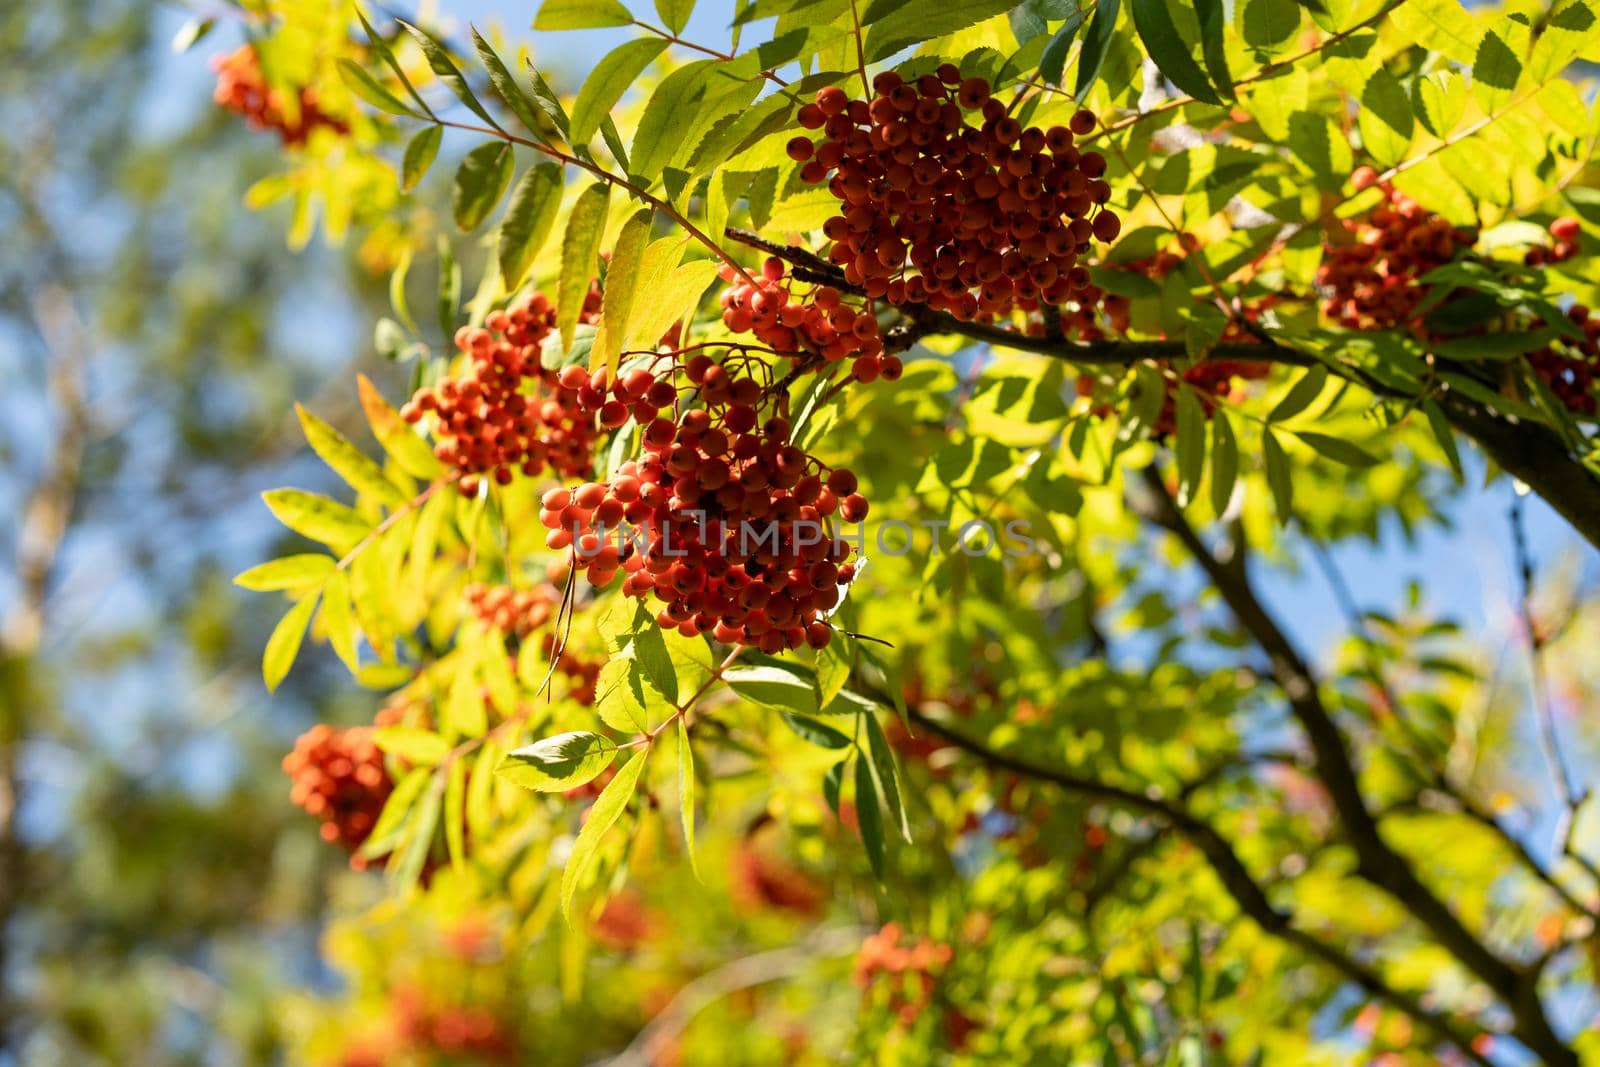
1377,862
1236,878
1532,453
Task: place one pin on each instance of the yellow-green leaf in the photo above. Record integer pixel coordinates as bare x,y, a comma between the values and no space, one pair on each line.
299,571
317,517
347,461
608,807
579,252
284,644
621,286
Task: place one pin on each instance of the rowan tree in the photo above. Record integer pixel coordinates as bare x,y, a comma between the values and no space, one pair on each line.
1069,325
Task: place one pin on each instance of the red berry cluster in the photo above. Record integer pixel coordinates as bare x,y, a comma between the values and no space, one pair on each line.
506,412
1372,282
913,971
339,777
461,1032
518,612
242,89
724,522
1572,369
763,878
821,325
626,922
973,220
1564,243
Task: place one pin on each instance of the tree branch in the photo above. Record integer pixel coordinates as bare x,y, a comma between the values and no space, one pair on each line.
1236,878
1377,861
1532,453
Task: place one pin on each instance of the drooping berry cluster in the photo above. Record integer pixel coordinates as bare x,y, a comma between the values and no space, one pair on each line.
517,612
724,522
973,220
339,777
1563,246
242,88
505,412
1572,368
820,326
1372,283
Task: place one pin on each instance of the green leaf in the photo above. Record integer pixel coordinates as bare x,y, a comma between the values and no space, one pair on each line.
317,517
1053,60
1213,24
449,289
290,572
1278,475
605,85
455,814
406,867
1496,69
367,88
547,101
608,807
1495,347
613,140
505,85
1096,42
622,278
557,764
773,686
686,799
1441,97
397,290
421,151
284,644
668,117
579,252
1301,395
528,220
481,180
1224,460
1268,24
1191,444
887,774
1438,25
1336,448
348,461
381,47
675,13
671,299
814,732
1031,18
1153,20
412,744
832,783
1445,436
912,23
869,817
581,15
650,648
446,71
1385,118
